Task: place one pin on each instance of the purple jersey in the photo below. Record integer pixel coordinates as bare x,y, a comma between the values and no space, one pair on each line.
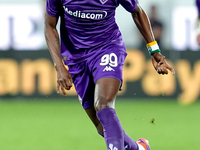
87,25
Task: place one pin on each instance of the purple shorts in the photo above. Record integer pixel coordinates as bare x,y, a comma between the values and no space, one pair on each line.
107,63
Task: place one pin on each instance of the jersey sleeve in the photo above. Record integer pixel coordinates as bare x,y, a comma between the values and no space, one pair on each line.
53,7
198,5
129,5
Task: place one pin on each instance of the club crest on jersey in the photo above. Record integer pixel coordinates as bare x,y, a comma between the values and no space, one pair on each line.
103,1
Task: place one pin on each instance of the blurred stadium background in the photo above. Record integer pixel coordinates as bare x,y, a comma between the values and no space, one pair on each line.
163,109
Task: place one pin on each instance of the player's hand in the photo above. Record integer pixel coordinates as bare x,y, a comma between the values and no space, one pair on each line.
64,80
160,64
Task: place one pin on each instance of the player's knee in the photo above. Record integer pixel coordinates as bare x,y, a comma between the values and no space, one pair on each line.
104,102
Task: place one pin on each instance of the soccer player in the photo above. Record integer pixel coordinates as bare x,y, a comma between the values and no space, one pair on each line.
91,45
197,23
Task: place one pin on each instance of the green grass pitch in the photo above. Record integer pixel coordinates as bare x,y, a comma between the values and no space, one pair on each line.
64,125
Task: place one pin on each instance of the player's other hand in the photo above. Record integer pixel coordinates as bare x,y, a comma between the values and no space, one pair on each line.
64,80
160,64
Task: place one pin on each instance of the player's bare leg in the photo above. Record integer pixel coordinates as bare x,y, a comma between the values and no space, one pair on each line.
105,93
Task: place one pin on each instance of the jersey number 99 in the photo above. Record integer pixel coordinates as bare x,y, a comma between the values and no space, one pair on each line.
109,59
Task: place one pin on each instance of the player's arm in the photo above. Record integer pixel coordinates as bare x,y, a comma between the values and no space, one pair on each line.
52,39
64,80
142,22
